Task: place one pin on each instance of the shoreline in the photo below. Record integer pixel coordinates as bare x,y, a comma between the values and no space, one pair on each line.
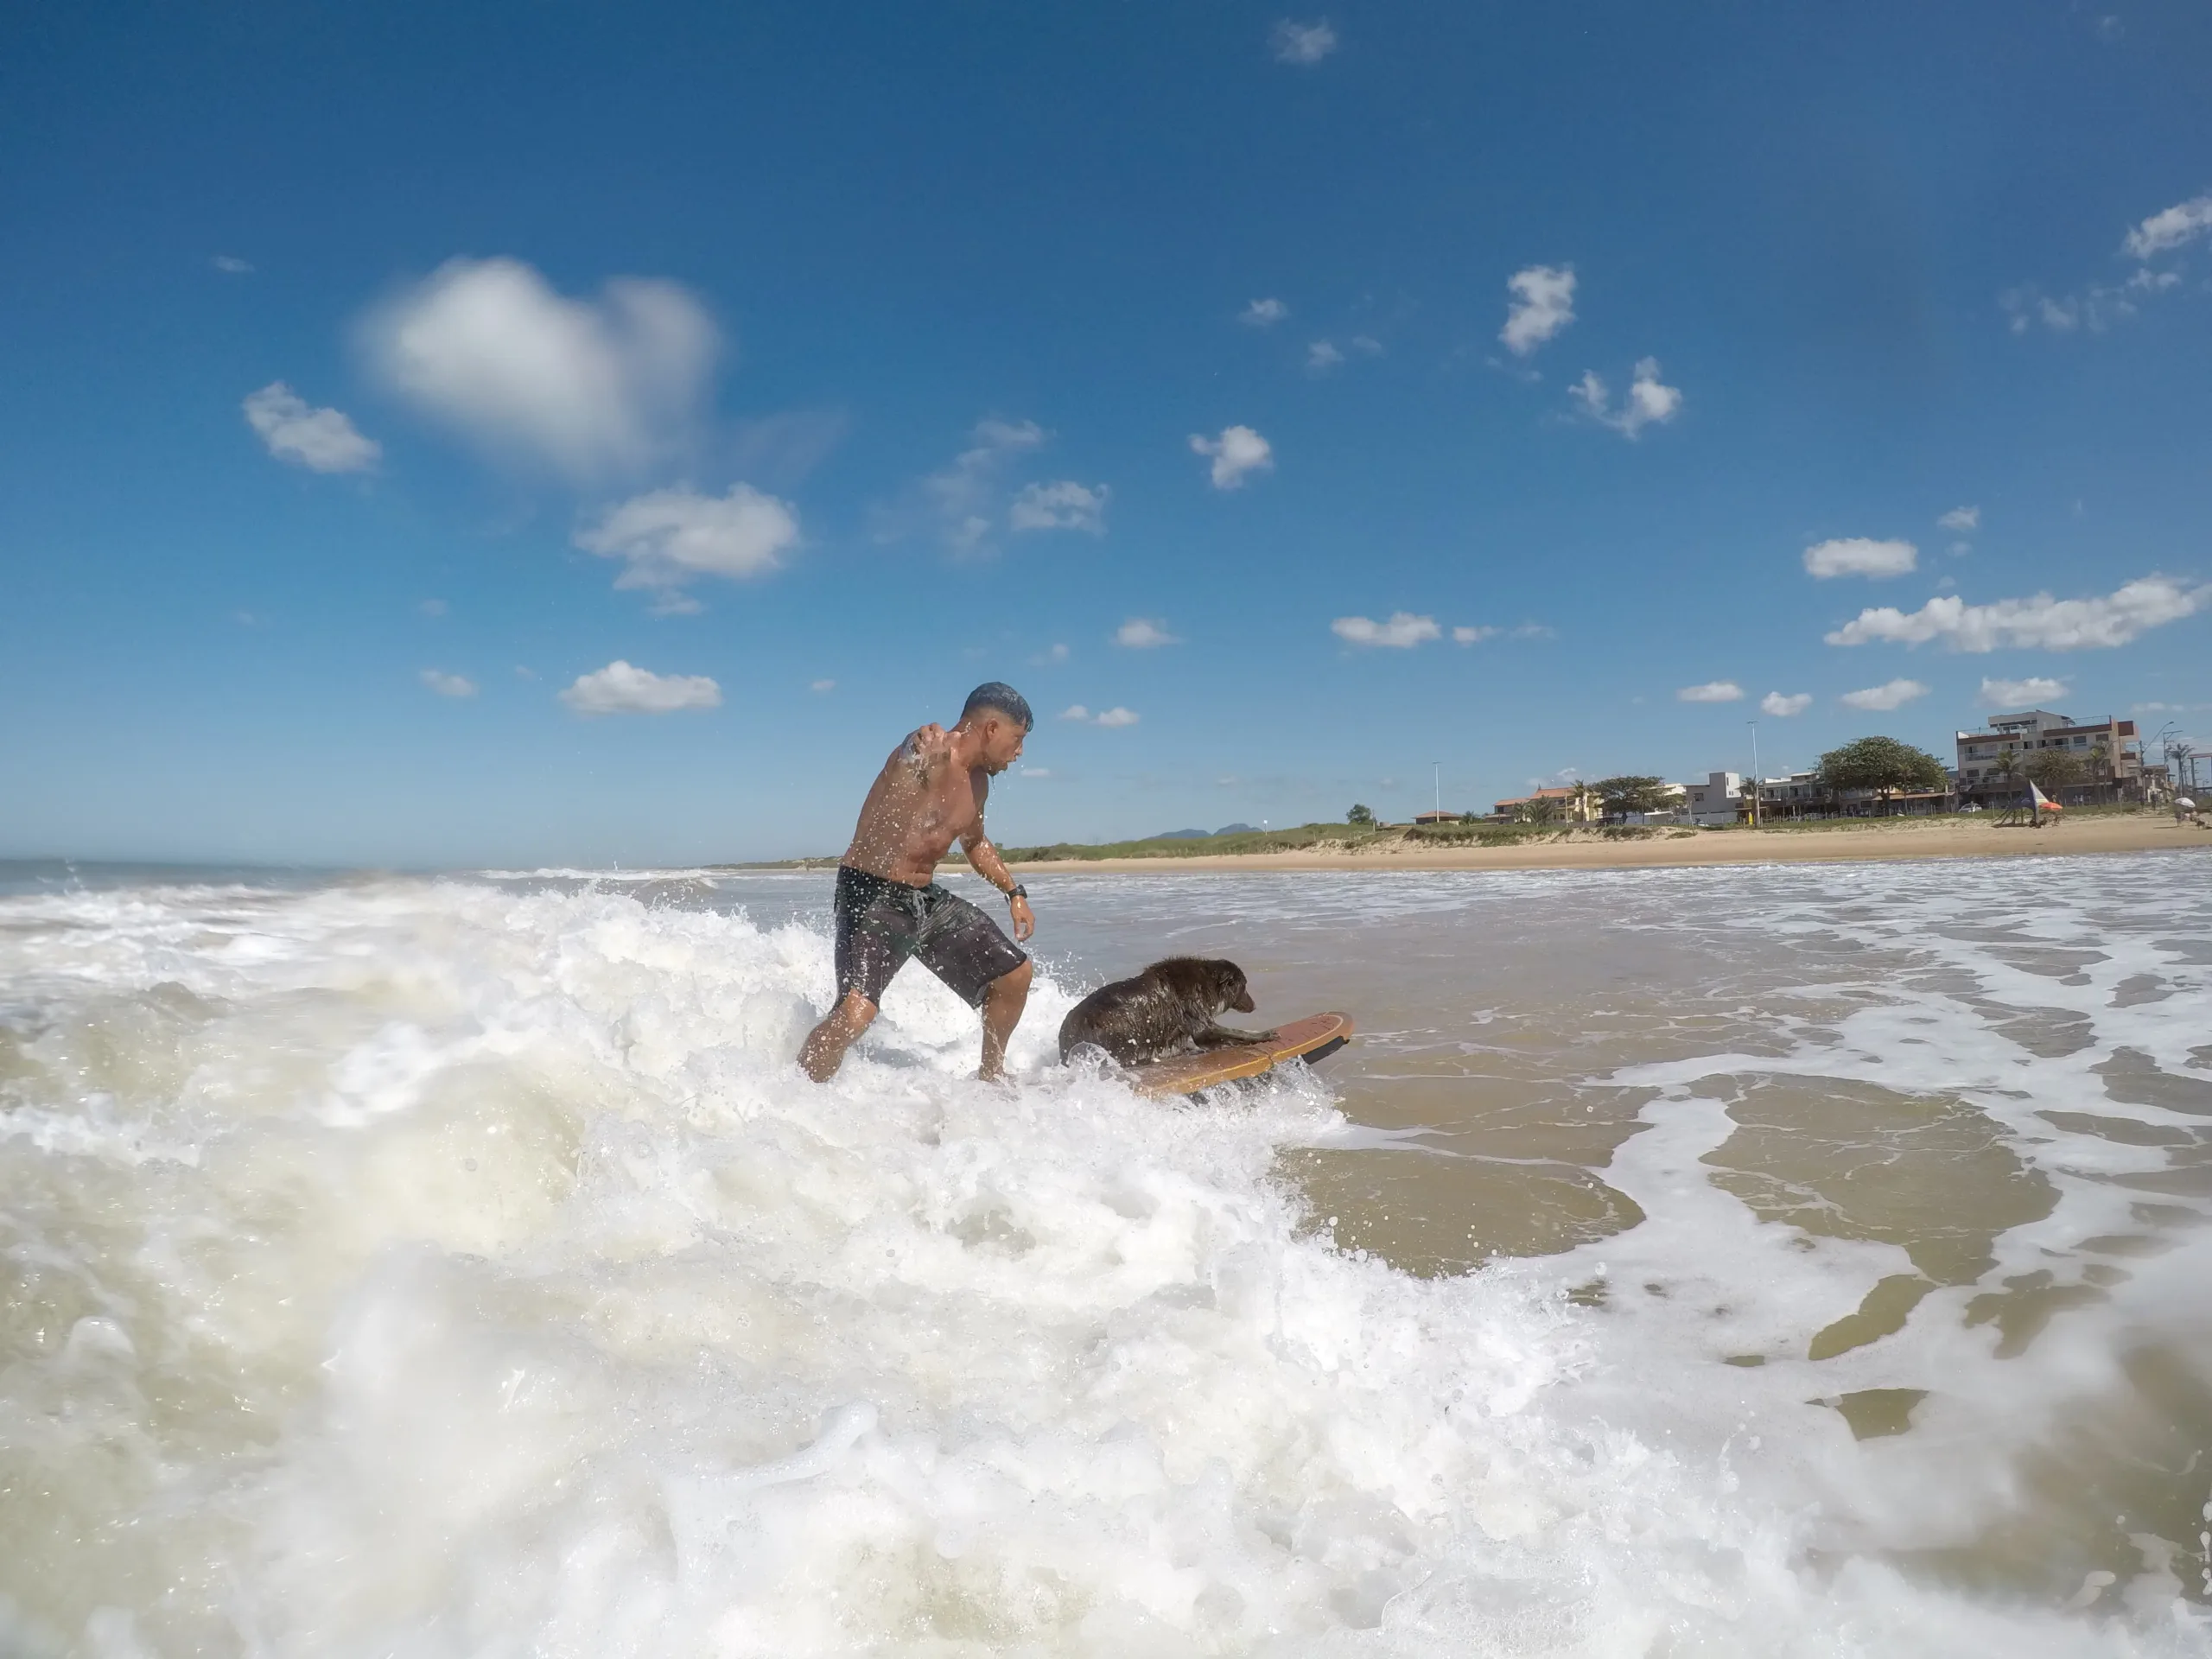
1855,842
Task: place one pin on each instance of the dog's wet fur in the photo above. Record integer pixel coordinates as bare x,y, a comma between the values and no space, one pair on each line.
1169,1009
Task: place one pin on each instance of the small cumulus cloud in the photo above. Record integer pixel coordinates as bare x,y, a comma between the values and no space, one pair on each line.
1142,634
1649,401
1117,717
1785,705
1063,505
1237,451
594,388
448,686
1881,698
964,499
2020,694
1403,632
230,265
1542,304
1263,314
1322,356
619,689
1052,654
1858,556
1961,520
2175,227
823,685
320,440
1367,345
1295,42
1710,691
1075,711
1475,636
2037,622
667,538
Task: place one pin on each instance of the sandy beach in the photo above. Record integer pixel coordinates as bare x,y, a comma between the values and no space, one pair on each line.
1860,840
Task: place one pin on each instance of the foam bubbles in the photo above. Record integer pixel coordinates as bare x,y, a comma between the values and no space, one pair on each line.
453,1268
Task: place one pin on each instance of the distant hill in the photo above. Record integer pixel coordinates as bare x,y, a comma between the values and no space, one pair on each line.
1237,829
1182,835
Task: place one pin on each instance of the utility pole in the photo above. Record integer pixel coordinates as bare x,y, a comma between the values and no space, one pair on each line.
1436,777
1754,725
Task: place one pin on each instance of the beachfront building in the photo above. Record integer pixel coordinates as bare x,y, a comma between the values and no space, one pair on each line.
1718,802
1431,819
1569,806
2107,754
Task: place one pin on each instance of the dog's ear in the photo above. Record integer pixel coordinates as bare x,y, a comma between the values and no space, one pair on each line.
1229,988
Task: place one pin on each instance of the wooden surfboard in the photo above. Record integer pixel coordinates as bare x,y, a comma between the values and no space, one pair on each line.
1309,1039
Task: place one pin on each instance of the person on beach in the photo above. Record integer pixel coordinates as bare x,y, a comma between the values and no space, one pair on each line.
930,793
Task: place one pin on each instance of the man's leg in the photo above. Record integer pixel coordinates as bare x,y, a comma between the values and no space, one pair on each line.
823,1051
1002,1004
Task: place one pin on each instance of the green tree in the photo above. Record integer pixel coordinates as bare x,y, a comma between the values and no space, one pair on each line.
1362,815
2007,766
2053,770
1584,796
1618,796
1882,765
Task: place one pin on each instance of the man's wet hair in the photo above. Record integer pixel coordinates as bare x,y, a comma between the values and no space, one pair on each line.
998,696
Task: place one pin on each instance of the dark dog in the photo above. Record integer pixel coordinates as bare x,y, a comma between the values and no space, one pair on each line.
1168,1008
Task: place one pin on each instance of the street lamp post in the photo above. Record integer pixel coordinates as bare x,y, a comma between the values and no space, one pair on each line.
1436,778
1754,725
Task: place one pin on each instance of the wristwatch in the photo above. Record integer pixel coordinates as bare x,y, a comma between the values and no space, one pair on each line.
1017,891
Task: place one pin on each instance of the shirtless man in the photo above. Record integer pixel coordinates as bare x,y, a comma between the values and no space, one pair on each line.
930,793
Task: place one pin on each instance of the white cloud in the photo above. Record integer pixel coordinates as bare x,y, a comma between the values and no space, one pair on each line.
2097,307
1856,555
1263,314
2021,694
823,685
1075,711
1237,451
1710,691
1117,717
1785,706
963,498
1535,631
619,689
1961,520
322,440
668,536
1322,356
1894,695
1054,653
1302,42
594,388
230,265
1403,632
448,686
1542,304
2037,621
1463,636
1367,345
1959,550
1650,402
1065,505
1142,634
2163,231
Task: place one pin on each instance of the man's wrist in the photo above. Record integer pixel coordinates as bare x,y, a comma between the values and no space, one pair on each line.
1017,891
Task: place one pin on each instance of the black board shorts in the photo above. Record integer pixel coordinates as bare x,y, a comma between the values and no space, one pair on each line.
880,922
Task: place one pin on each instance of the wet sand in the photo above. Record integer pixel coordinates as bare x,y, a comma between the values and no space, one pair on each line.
1858,841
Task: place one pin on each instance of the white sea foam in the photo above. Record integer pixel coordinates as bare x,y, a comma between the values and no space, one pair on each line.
445,1269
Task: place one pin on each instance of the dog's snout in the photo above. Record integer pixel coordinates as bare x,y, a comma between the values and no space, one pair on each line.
1244,1004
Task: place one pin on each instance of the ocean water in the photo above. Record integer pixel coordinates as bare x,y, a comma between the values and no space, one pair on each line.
1748,1262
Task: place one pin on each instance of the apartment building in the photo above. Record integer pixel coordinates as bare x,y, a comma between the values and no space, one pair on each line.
2107,753
1718,802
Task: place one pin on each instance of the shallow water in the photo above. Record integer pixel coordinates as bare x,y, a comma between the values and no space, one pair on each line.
1779,1261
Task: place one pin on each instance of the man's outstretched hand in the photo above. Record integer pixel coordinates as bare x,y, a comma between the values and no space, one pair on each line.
930,747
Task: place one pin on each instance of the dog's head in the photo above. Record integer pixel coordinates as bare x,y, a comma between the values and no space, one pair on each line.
1215,981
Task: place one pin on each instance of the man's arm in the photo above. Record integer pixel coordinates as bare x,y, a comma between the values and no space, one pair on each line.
984,860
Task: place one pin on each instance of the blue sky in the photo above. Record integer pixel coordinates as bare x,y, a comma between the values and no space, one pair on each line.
552,434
